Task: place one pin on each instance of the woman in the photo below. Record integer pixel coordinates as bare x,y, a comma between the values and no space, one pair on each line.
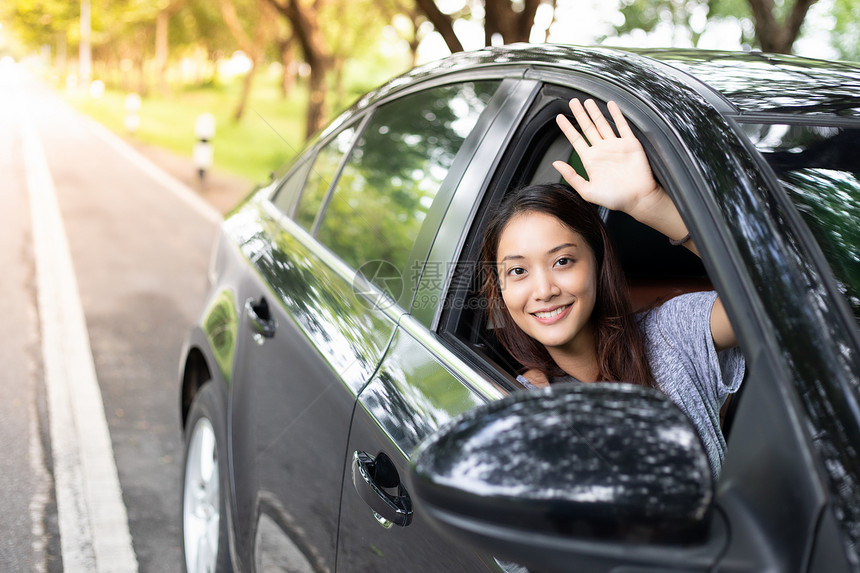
561,291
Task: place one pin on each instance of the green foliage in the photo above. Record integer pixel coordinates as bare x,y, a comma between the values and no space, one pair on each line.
270,135
688,16
198,23
40,22
647,15
846,32
348,24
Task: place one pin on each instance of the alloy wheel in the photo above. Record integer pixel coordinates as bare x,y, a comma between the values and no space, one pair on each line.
201,497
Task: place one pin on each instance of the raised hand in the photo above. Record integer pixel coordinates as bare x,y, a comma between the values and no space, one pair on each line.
619,176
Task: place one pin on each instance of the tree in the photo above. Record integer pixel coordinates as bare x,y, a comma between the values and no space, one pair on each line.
258,17
442,22
512,21
162,43
201,25
509,20
330,33
307,29
679,14
415,21
776,23
846,29
42,22
772,34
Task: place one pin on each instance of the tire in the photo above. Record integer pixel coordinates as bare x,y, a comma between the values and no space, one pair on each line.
204,491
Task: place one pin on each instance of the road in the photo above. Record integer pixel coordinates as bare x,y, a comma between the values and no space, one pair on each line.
94,309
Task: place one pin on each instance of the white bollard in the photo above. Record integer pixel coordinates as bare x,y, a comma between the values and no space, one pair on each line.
203,154
97,89
132,117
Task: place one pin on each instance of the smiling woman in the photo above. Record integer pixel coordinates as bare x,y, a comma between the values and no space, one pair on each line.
562,294
581,279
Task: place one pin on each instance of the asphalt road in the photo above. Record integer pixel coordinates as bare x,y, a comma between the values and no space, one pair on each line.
139,244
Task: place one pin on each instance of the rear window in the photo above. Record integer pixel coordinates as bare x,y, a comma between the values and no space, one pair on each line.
392,175
819,167
319,180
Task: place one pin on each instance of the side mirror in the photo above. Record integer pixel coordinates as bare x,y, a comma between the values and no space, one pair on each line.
582,476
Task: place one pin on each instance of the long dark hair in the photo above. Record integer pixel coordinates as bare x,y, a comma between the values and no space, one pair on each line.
619,342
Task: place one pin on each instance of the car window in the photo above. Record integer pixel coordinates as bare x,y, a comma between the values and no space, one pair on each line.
819,168
655,270
395,170
288,193
321,176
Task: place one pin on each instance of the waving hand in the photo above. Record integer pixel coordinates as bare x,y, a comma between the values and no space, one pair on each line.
619,176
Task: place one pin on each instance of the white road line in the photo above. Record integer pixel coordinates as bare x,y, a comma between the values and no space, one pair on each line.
182,191
41,491
93,521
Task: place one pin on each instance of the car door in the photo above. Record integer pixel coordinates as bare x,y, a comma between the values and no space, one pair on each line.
301,358
444,358
799,416
418,386
332,274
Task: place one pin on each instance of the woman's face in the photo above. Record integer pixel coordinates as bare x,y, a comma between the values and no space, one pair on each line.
548,279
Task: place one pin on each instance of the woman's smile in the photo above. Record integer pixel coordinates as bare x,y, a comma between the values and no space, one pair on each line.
552,316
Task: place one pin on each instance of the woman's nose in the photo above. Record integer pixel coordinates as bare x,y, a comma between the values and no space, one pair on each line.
545,287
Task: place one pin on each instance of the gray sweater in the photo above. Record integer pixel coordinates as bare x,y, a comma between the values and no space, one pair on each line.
686,366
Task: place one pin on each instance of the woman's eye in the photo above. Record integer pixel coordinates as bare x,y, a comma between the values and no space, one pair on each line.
563,261
517,271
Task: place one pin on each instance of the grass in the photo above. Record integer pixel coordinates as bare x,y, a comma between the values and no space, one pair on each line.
270,133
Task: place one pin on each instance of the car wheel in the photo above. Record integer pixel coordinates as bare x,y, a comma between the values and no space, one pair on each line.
204,520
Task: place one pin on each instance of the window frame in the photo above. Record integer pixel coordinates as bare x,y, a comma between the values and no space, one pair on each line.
448,180
296,175
518,167
797,223
360,119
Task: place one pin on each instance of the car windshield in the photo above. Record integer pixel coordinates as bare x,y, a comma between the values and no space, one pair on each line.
819,168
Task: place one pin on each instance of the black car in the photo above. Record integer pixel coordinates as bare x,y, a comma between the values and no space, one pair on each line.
344,329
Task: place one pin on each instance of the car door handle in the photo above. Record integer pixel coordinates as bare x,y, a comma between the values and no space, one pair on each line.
261,317
371,478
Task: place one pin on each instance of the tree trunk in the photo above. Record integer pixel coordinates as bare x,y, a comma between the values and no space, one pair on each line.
62,58
552,21
317,111
772,35
413,50
247,82
141,76
512,26
252,46
339,88
307,30
288,66
443,23
162,42
161,49
212,60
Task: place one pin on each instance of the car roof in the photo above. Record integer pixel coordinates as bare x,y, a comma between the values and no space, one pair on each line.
745,83
770,83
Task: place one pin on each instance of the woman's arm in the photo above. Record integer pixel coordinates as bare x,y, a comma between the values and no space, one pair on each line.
620,178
